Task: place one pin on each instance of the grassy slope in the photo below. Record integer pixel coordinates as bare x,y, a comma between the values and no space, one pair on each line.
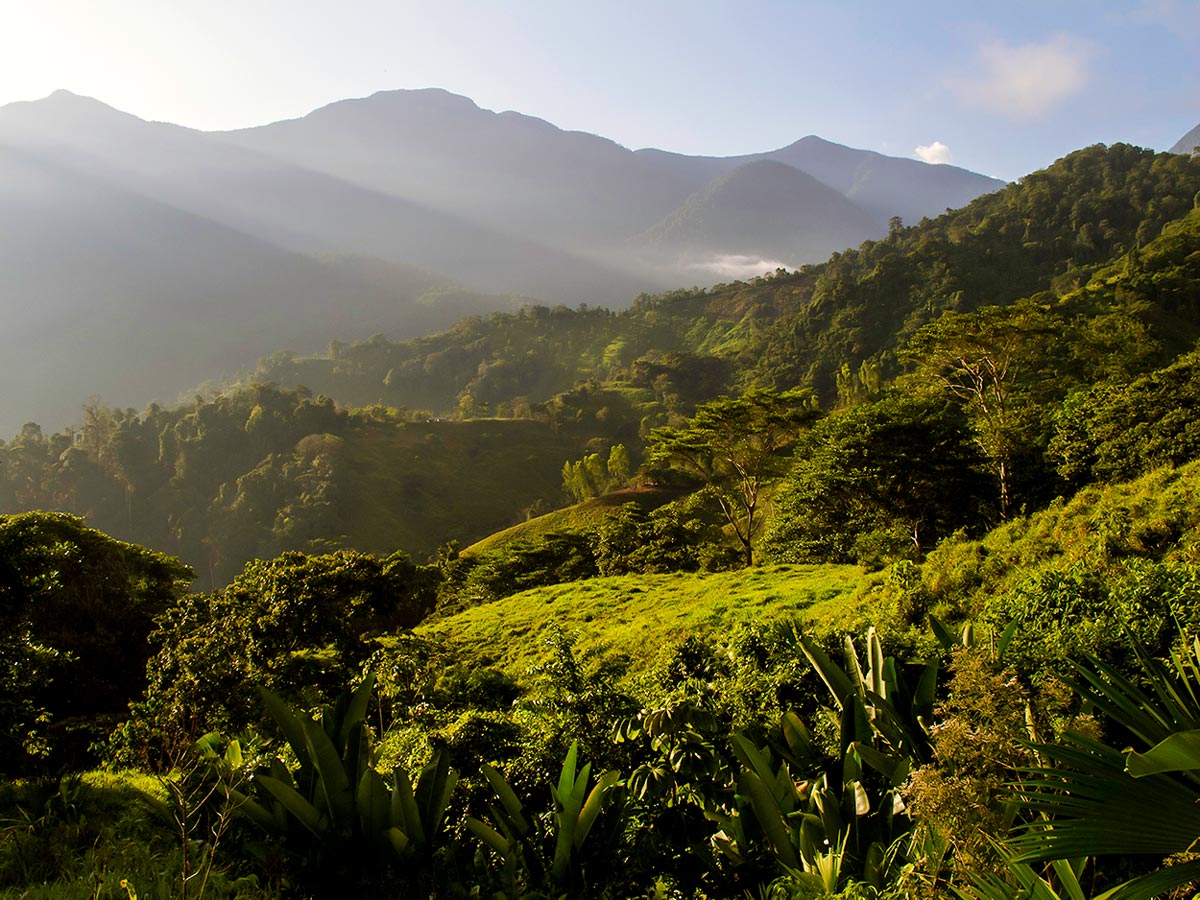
584,516
635,615
1156,516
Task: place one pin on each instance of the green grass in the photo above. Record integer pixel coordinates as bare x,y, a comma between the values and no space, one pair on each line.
635,615
585,516
1156,516
95,833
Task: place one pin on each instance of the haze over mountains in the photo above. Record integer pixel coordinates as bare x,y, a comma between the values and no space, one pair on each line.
142,258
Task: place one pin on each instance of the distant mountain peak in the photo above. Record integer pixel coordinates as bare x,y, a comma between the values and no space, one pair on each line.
63,98
432,96
766,209
1188,143
402,101
816,139
64,109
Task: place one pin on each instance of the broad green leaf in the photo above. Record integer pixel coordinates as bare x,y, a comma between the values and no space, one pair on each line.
288,722
853,668
254,811
1156,884
1006,638
489,836
753,759
876,675
356,711
374,803
942,633
566,779
595,802
331,773
307,814
434,787
770,818
404,807
926,694
892,768
398,839
569,796
1068,872
835,679
796,735
1178,753
209,745
508,798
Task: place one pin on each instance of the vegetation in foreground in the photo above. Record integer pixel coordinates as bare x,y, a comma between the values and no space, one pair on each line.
905,605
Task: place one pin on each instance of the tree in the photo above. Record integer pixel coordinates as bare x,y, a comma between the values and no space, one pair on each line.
989,360
76,609
595,475
732,446
889,478
293,621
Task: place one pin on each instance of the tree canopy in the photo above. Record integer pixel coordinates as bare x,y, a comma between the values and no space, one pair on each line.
879,481
76,610
733,446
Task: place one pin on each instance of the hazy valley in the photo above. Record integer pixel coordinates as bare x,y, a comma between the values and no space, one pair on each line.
196,253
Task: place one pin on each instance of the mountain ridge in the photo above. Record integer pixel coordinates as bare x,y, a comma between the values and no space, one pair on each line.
274,230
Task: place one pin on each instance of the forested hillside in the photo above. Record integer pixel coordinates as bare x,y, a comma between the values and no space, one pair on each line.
877,579
1046,235
259,470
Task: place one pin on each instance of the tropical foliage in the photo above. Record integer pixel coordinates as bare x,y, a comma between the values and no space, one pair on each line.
884,582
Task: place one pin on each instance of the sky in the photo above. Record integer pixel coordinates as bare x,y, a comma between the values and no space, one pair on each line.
1003,88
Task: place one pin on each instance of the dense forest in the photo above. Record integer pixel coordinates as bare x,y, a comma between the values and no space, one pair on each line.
875,579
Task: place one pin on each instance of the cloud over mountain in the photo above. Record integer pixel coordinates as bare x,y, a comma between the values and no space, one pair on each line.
936,153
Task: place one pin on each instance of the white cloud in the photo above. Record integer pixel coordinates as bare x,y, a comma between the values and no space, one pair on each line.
736,266
1029,81
935,153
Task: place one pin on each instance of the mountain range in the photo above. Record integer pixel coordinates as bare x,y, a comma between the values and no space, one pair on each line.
194,253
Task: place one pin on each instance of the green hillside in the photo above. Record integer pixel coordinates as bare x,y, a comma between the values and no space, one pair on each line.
256,471
585,516
633,617
1110,533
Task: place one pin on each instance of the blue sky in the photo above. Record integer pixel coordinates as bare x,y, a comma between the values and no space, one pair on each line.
1002,88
